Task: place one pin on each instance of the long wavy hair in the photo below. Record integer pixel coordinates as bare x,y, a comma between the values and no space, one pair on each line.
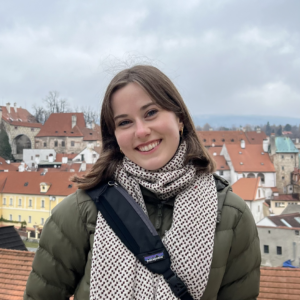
163,92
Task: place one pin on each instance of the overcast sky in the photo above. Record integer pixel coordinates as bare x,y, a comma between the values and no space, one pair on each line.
225,57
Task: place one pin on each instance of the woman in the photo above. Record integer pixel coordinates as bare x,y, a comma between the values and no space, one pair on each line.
150,147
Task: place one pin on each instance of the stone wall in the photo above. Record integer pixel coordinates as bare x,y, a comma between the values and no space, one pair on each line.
284,164
14,132
49,143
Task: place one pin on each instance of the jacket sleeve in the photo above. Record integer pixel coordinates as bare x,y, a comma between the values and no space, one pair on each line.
62,254
242,275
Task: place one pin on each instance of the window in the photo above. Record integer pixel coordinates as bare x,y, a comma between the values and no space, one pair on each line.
213,140
282,177
82,157
292,156
63,143
266,248
221,172
269,231
259,193
279,250
94,156
45,144
16,127
42,221
19,217
297,232
43,203
4,201
204,140
31,157
55,144
10,217
29,219
282,156
282,168
20,202
232,140
10,201
279,204
223,140
32,129
258,208
72,143
30,203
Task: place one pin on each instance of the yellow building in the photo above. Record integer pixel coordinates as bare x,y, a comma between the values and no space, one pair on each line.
30,196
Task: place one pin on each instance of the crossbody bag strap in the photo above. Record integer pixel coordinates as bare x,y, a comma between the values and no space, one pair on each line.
135,230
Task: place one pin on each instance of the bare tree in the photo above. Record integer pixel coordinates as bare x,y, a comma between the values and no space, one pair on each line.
90,114
206,127
39,113
55,104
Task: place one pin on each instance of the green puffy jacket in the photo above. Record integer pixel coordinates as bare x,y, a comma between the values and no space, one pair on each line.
62,264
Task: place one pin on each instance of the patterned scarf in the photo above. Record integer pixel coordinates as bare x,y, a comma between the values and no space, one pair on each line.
116,274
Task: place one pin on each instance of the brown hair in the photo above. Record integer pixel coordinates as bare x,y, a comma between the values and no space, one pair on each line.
164,93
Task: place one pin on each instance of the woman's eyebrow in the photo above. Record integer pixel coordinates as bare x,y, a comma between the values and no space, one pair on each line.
142,108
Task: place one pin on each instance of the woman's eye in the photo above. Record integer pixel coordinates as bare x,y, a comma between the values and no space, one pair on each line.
151,113
123,123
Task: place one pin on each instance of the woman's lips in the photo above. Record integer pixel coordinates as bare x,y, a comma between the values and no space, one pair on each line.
149,148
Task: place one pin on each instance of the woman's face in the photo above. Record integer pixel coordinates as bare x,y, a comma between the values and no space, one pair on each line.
147,134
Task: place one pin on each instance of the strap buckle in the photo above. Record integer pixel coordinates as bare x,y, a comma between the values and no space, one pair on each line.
177,286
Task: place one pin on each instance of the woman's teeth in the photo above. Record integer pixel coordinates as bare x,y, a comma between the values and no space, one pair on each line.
148,147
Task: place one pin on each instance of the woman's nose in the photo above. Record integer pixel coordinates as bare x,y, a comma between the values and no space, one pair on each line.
142,130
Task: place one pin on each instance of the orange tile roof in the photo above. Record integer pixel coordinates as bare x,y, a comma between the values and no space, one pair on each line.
279,283
59,156
218,138
26,124
60,124
18,118
15,267
251,158
5,166
221,163
246,188
213,150
59,183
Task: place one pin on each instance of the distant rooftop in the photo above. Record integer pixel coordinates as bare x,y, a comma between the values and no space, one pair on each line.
285,145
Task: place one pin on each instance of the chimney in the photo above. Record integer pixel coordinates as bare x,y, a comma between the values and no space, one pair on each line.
15,107
93,124
258,130
266,145
51,158
74,120
272,144
243,144
83,167
8,107
210,129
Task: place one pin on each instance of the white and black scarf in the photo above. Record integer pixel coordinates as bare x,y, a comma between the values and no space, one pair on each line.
117,274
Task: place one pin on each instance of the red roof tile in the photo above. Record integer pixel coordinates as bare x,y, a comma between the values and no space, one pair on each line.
59,183
15,267
254,137
253,159
221,163
216,150
59,156
27,124
286,197
22,115
246,188
5,166
279,283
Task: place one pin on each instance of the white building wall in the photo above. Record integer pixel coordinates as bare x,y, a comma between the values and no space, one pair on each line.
90,156
29,155
256,208
226,175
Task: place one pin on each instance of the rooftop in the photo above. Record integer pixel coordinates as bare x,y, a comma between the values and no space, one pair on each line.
250,159
60,124
10,239
246,188
221,163
218,138
5,166
286,220
286,197
285,145
29,183
279,283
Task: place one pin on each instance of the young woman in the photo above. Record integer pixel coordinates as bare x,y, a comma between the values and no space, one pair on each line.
150,147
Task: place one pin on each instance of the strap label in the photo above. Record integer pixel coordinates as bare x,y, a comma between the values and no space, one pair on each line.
154,257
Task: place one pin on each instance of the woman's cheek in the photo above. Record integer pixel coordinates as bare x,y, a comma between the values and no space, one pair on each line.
123,139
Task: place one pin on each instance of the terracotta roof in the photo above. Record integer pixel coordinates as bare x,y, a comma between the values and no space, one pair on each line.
286,197
246,188
22,115
274,189
15,267
5,166
250,159
15,183
279,283
221,163
218,138
60,124
213,150
27,124
288,218
59,156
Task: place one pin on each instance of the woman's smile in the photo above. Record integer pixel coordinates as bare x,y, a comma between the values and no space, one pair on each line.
149,147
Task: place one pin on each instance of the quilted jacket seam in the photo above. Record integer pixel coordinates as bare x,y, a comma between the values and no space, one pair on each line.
49,284
57,262
66,237
79,206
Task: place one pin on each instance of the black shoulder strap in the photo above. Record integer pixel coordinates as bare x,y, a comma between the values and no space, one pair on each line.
136,231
